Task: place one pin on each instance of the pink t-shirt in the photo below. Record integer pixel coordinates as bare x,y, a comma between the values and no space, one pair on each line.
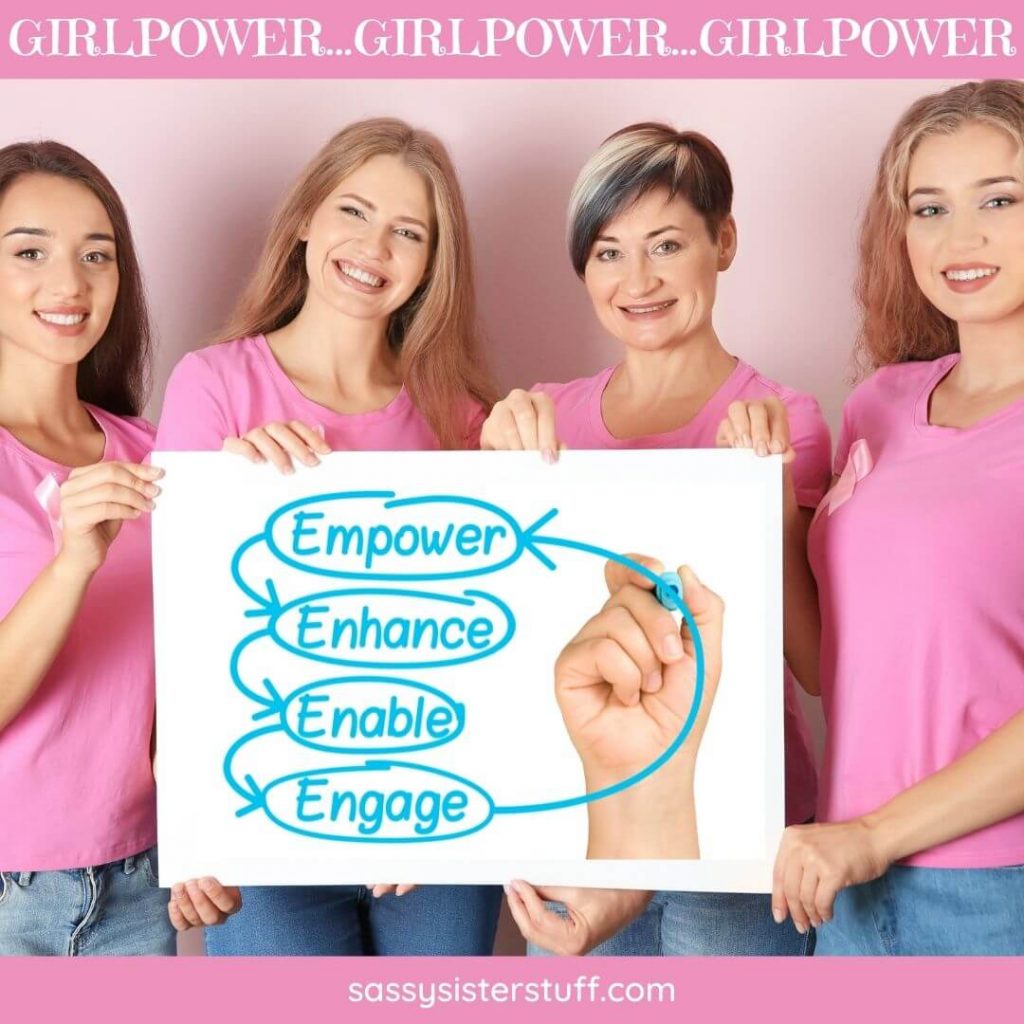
227,390
76,780
920,567
581,425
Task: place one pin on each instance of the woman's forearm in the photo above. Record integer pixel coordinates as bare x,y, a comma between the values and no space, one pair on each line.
655,819
34,631
984,786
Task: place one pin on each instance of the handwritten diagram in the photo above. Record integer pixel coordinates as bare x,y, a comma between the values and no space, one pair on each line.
399,587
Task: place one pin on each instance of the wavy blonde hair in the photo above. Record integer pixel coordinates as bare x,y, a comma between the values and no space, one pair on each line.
435,332
898,324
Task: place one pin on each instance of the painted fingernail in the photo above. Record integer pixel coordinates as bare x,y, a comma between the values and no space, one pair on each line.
800,928
778,915
672,647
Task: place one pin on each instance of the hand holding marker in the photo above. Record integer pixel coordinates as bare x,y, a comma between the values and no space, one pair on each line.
626,684
655,818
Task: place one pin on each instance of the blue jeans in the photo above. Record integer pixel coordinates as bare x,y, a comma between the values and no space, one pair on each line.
112,910
345,920
706,924
929,912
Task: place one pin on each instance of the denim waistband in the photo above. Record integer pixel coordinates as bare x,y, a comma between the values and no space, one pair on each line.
128,865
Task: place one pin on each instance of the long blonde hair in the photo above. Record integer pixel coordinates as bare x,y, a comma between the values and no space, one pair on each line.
898,324
435,332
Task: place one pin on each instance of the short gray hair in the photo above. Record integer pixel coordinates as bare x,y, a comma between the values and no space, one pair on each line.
637,160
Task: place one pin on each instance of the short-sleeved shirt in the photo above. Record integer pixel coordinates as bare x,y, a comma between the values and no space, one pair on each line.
580,425
76,778
919,559
229,389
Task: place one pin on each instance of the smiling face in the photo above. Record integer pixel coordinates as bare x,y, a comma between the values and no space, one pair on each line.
653,271
58,268
368,244
965,229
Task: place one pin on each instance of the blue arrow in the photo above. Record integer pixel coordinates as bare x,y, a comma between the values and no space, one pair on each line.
530,542
277,703
251,791
698,690
274,701
268,603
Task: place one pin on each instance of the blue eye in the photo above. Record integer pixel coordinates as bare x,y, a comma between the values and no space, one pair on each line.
931,210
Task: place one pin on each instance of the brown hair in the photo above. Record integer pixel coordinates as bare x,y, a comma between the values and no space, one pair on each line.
435,331
631,163
898,324
115,374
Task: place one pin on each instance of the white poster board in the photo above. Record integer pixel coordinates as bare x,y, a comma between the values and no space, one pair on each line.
388,623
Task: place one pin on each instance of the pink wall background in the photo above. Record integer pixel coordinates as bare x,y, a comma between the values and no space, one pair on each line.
201,165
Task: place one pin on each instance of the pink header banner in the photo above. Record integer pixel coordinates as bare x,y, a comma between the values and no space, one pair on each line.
500,39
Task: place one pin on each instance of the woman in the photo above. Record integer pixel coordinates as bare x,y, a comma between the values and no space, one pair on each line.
922,837
650,230
77,857
357,331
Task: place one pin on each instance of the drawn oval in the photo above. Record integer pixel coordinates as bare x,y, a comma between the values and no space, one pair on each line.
364,535
378,802
371,714
393,628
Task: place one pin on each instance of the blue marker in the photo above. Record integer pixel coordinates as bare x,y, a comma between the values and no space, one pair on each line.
670,584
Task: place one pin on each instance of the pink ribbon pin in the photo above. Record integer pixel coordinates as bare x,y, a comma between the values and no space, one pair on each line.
858,464
47,493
